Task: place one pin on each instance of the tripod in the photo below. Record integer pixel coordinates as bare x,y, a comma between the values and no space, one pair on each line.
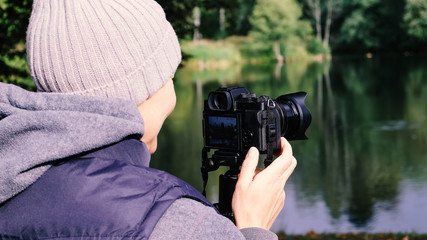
227,181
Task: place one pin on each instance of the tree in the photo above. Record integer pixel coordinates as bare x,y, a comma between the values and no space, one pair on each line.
276,20
218,18
323,13
226,17
415,18
243,26
373,25
358,29
180,15
14,18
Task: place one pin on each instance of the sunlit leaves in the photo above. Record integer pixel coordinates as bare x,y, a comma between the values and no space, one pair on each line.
415,18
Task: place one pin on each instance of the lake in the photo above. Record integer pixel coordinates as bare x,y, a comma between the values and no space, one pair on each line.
364,167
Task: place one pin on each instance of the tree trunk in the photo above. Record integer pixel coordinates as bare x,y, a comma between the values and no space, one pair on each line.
196,16
316,11
329,5
222,21
276,49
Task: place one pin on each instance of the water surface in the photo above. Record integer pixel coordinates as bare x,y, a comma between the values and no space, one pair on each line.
364,167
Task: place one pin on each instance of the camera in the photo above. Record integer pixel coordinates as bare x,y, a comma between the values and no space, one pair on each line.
235,120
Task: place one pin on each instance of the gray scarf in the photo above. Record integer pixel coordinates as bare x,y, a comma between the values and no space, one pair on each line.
38,128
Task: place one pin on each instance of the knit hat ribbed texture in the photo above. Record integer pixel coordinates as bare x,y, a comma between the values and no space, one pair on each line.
108,48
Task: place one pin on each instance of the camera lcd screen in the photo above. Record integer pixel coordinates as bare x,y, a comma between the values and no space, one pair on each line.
221,132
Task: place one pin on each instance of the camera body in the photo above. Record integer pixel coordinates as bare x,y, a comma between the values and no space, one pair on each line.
235,120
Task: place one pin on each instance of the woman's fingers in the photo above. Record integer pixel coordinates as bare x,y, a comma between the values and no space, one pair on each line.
290,169
247,171
259,195
279,167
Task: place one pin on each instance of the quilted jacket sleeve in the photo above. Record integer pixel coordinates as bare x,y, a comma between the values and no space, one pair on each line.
189,219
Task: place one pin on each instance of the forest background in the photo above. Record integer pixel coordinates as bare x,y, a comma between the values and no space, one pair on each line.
220,33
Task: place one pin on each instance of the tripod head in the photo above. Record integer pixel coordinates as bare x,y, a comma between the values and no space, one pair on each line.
227,181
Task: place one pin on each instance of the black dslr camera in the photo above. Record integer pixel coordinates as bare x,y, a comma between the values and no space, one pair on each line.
235,120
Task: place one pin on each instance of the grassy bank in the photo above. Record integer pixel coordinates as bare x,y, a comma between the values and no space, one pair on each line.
354,236
224,53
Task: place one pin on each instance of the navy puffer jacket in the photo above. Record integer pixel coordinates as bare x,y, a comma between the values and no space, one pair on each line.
73,167
108,193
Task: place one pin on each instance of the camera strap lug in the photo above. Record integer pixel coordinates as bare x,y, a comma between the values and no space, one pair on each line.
271,131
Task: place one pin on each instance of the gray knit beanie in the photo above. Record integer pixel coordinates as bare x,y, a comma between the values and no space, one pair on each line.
108,48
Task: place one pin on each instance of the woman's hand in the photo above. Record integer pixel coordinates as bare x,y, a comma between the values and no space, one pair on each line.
260,195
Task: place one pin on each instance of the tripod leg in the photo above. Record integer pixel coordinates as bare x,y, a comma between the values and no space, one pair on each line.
227,184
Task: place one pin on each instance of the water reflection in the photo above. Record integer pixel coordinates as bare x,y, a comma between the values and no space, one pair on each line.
364,165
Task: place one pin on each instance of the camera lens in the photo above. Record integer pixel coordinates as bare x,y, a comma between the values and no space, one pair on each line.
295,115
220,101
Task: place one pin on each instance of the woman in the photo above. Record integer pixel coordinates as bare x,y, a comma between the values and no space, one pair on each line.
75,155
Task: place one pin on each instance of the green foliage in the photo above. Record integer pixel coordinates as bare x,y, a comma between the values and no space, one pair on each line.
209,26
357,25
179,14
294,49
210,54
363,25
237,50
210,50
415,18
279,21
315,46
274,20
236,18
15,70
243,26
371,25
358,29
14,16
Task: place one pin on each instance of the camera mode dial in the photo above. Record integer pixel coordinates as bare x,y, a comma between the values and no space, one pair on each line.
248,96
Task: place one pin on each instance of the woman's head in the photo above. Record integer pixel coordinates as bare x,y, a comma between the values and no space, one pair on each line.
115,49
